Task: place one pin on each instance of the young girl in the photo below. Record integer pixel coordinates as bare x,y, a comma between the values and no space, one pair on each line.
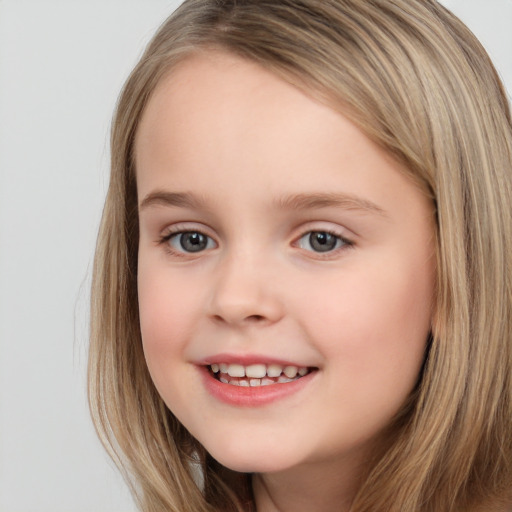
302,295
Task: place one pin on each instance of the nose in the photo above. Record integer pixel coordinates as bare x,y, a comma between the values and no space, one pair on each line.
245,293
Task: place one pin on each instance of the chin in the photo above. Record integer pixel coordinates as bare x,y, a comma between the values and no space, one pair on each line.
253,459
252,466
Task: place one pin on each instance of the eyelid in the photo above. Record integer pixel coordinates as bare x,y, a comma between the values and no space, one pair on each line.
324,226
181,227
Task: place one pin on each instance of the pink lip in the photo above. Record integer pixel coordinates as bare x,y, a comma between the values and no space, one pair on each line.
251,396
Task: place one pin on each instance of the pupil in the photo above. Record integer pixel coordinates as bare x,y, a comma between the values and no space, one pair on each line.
193,242
322,242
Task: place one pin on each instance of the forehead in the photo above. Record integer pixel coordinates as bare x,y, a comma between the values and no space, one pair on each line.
211,82
222,100
225,125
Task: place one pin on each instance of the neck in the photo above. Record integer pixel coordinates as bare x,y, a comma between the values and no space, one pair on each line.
323,489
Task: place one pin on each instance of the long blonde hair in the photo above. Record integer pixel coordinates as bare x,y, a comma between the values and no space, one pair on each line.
418,83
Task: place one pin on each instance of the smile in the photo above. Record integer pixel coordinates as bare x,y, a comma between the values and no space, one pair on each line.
252,383
256,375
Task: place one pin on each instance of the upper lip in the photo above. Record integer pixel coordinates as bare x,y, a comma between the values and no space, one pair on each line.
248,359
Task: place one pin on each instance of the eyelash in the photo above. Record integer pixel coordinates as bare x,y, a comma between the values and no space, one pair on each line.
343,242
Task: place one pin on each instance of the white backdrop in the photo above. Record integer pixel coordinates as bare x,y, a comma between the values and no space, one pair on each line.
62,64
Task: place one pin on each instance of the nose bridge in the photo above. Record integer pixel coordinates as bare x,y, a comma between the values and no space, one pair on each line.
244,291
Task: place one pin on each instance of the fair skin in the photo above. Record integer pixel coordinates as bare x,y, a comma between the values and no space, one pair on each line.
272,230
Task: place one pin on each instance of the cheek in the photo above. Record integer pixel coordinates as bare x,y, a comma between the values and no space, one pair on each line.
374,320
167,313
168,310
378,301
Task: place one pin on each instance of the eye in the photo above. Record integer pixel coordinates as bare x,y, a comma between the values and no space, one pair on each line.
190,241
321,241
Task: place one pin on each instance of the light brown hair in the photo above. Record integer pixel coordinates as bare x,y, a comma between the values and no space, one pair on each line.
418,83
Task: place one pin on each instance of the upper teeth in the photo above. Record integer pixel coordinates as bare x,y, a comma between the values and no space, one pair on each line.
258,371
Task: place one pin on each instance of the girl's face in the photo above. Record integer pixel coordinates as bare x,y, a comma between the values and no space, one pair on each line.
276,240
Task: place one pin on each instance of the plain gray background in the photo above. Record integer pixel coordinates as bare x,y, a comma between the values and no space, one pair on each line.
62,64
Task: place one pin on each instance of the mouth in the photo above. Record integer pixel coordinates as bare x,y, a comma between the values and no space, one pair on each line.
257,375
247,381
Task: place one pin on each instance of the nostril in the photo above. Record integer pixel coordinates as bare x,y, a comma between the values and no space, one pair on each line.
248,319
255,318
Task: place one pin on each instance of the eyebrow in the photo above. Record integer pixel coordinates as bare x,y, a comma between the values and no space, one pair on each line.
327,200
178,199
310,201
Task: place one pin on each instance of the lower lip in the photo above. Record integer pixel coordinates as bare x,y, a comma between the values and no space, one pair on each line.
252,396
